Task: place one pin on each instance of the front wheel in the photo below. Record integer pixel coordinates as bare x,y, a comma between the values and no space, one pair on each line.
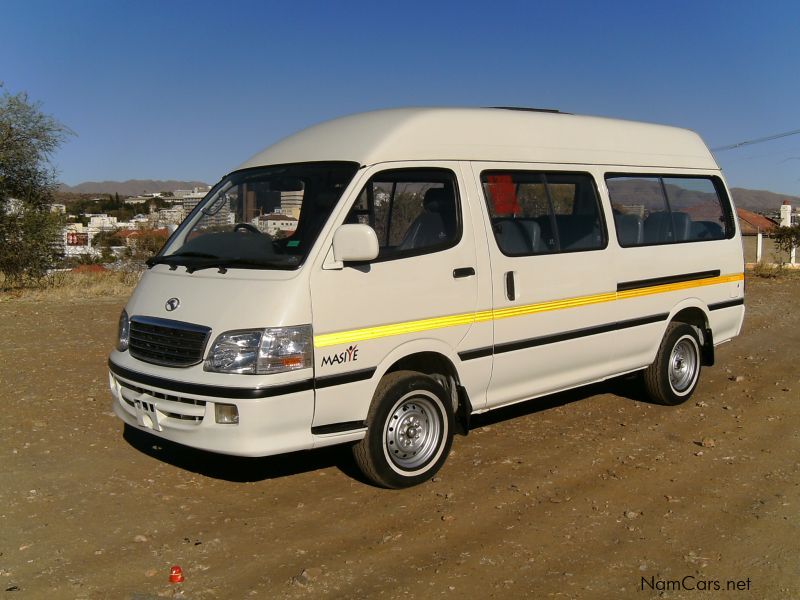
673,376
409,431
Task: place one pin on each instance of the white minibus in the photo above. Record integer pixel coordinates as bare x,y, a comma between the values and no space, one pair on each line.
377,279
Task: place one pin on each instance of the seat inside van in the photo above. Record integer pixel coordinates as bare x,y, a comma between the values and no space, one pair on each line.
578,232
517,236
436,224
630,229
664,226
707,230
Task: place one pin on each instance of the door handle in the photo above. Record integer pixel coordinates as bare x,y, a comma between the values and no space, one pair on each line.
511,292
463,272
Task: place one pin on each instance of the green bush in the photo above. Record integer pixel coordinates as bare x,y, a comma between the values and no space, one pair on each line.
29,232
785,239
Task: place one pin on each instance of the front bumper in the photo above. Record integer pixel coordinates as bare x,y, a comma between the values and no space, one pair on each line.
272,420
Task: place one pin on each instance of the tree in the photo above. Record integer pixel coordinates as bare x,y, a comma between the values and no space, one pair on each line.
28,230
104,240
786,238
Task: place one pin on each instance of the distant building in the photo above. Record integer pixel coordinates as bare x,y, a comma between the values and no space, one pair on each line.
77,241
190,199
102,222
139,221
132,237
143,198
60,209
291,202
223,215
752,223
275,223
169,216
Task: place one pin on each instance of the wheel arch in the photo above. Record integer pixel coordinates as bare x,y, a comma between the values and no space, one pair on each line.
694,312
431,357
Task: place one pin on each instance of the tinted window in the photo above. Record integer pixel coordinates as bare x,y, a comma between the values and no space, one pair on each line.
260,218
541,213
411,210
663,210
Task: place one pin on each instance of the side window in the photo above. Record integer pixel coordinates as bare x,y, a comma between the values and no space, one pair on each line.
543,213
663,210
633,201
413,211
696,209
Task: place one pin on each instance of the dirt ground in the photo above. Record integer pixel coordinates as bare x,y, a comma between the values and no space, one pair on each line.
589,494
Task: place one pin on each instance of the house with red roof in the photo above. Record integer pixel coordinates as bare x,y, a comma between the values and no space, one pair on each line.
752,223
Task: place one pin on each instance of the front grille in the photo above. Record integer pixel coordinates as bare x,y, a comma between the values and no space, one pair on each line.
166,342
174,407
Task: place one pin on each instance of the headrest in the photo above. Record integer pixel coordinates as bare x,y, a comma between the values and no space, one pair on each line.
438,200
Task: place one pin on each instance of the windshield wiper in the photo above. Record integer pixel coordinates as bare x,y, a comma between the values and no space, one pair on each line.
170,259
223,264
201,260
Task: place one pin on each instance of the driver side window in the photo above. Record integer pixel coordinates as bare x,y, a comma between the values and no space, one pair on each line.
413,211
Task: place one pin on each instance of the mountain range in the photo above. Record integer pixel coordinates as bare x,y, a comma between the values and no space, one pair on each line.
760,201
131,187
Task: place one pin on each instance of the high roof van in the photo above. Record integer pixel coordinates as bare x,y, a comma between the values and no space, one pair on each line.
377,279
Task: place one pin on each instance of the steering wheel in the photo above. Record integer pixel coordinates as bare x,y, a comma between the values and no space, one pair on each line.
246,227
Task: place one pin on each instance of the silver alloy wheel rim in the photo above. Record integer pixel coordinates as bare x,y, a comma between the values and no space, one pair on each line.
412,432
683,362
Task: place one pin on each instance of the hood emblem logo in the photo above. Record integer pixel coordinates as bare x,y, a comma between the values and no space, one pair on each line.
172,304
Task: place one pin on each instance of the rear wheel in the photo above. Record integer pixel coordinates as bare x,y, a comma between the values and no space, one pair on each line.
409,431
673,376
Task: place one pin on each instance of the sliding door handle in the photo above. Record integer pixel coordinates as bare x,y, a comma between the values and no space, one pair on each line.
511,292
463,272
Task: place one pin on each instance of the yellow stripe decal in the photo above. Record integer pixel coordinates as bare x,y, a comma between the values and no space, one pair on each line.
370,333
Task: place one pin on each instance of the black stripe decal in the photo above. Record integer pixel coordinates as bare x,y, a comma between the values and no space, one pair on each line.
578,333
240,393
643,283
338,427
350,377
728,304
476,353
216,391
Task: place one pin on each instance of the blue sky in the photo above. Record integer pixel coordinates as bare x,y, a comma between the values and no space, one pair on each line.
190,89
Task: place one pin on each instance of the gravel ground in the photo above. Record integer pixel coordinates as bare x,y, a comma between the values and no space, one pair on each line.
588,494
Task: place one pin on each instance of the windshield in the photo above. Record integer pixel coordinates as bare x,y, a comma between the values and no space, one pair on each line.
262,218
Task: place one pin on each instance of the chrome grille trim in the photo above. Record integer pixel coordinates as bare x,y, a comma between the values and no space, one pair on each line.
167,342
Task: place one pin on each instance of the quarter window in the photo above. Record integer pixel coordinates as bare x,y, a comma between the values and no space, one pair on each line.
543,213
664,210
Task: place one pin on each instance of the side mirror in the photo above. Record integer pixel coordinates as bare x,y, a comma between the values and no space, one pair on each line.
355,243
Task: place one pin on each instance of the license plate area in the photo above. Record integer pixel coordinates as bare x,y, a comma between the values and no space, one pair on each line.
147,414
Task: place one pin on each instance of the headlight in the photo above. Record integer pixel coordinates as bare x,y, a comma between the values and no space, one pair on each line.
123,331
261,351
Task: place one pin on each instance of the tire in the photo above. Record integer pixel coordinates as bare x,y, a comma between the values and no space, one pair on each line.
673,376
409,431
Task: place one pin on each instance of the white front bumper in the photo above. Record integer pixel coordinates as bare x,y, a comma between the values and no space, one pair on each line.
270,425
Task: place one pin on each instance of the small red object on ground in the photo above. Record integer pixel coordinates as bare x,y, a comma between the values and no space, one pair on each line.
175,574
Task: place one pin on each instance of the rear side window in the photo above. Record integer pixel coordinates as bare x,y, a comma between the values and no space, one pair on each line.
664,210
543,213
413,211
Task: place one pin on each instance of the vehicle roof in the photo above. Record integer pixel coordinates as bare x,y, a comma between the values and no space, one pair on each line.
489,134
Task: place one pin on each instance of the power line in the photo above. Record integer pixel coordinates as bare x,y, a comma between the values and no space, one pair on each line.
756,141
